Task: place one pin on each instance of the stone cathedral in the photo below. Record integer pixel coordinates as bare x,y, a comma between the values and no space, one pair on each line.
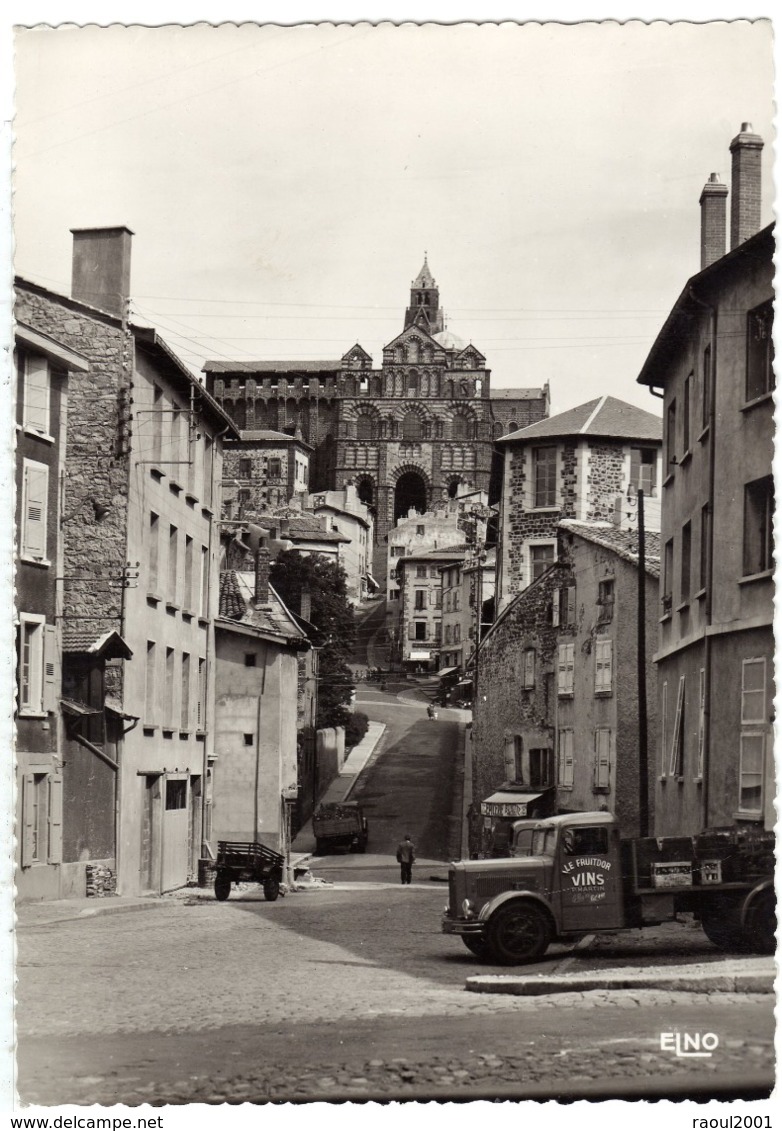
406,434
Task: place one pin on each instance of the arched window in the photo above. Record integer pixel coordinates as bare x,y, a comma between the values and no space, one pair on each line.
411,426
512,426
461,428
413,383
239,414
364,426
497,430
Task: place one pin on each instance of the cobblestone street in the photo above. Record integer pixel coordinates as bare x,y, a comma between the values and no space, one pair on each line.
333,992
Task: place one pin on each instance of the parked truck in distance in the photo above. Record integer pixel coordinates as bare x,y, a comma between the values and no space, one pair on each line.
340,825
583,877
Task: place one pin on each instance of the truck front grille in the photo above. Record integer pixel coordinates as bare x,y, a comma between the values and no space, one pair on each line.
488,886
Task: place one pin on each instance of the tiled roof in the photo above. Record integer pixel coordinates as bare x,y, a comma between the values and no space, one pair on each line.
302,530
624,543
87,639
237,603
447,553
604,416
272,366
516,394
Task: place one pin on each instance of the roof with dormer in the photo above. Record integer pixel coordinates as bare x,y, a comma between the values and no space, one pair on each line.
605,416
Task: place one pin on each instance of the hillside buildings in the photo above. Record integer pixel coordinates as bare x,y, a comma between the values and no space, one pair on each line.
408,434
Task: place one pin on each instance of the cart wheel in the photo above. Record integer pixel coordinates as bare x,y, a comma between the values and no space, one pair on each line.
271,889
222,886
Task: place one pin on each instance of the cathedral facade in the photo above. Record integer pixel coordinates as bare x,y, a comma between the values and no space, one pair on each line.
406,434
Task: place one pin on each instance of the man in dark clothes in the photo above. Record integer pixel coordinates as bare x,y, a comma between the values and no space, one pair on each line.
405,854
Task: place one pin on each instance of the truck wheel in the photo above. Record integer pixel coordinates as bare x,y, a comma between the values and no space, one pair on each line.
761,925
476,944
721,922
271,889
518,933
222,886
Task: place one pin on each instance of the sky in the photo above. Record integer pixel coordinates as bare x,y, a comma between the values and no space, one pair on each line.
284,183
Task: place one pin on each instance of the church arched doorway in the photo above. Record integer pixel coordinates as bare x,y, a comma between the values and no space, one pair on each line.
410,492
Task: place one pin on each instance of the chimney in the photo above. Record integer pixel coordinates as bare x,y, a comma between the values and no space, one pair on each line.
262,559
101,268
745,185
305,604
713,220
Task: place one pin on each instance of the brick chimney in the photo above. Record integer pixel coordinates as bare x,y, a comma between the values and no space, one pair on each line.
713,220
101,268
262,562
746,148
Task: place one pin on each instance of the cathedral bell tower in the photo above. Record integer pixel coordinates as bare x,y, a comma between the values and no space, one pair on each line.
424,309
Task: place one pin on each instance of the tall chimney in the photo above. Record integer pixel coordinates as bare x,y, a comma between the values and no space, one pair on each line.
713,220
746,148
262,560
101,268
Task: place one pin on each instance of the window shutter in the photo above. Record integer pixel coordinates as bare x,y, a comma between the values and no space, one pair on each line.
36,483
50,668
411,631
555,607
28,819
570,594
36,394
602,758
604,653
565,669
55,818
566,758
701,721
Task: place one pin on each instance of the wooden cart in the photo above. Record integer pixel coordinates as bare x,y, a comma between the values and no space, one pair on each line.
241,861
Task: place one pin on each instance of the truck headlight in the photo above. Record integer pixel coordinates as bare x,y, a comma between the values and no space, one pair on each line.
467,909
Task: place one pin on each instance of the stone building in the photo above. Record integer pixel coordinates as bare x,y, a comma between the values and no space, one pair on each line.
513,409
139,556
407,434
555,714
467,586
573,465
713,362
263,469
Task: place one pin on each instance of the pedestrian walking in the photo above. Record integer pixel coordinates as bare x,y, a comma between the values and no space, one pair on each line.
405,855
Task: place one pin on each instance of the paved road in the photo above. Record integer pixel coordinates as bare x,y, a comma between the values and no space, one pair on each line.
340,991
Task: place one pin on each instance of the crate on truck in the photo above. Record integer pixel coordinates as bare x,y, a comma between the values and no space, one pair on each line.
581,877
340,825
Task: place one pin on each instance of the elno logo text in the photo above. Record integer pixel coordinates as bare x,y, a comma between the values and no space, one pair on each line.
689,1044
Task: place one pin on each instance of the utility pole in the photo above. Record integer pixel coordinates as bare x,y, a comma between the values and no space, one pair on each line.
643,753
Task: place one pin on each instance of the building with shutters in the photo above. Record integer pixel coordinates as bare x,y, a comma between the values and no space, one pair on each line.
420,614
576,465
262,470
556,706
43,364
408,435
139,555
713,364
